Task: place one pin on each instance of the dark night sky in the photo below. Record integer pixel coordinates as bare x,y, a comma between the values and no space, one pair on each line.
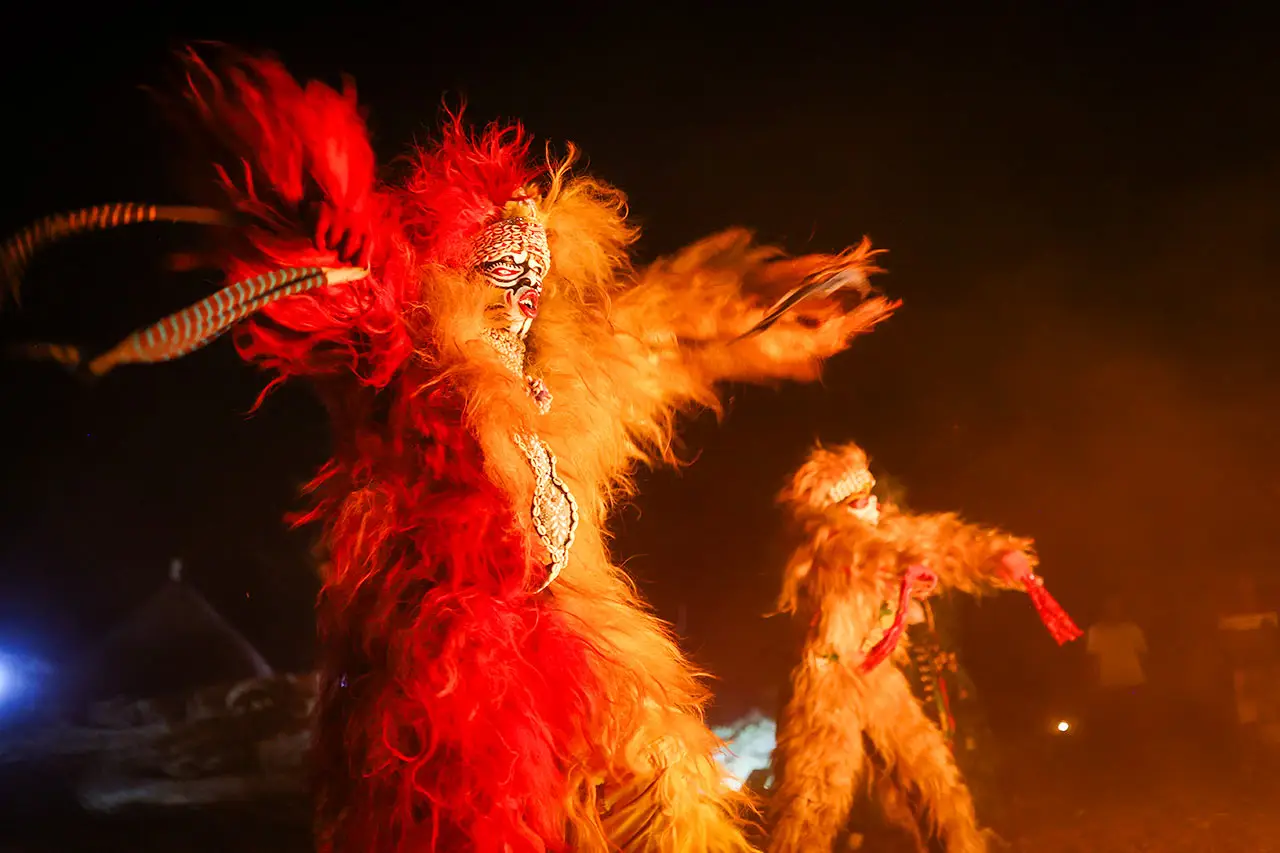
1080,216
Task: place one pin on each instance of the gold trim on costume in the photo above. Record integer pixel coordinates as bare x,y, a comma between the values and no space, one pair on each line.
554,510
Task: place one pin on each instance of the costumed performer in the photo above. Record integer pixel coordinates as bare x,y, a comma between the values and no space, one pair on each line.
495,369
851,584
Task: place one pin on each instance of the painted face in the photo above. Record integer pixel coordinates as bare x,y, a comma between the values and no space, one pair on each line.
866,509
853,492
512,254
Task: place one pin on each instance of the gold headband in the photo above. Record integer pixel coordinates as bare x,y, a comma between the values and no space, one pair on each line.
512,235
856,482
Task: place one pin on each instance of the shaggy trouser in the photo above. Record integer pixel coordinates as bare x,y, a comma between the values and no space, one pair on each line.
457,737
916,753
661,789
820,758
670,808
655,790
823,764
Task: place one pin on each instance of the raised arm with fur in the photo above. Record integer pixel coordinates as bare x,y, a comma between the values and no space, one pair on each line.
976,559
625,350
685,319
963,556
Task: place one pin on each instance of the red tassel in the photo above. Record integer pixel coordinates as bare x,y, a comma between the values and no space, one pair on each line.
1051,613
948,718
917,577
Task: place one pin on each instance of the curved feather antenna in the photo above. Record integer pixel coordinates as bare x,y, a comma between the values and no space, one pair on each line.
17,251
199,325
815,288
65,354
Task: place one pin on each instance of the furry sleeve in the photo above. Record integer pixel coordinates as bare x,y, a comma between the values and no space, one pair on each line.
622,360
675,329
691,309
799,572
964,556
295,161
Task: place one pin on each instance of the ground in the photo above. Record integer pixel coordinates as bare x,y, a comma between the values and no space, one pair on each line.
1184,797
1171,793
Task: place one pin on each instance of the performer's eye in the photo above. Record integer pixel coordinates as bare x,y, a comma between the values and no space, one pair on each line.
502,269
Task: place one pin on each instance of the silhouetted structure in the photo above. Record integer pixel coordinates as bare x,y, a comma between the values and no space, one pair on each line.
173,643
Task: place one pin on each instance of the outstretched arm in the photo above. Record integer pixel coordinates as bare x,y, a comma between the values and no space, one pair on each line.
683,319
802,569
975,559
966,557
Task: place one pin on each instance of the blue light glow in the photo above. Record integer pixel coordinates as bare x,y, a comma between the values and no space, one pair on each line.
750,742
20,681
8,679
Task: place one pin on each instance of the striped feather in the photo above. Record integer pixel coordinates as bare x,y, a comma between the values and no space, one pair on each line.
16,252
198,325
817,287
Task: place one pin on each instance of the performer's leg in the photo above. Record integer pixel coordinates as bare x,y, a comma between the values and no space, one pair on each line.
918,756
898,810
676,800
408,761
659,787
461,715
820,758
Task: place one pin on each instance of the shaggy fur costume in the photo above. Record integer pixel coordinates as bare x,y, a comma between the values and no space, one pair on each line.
464,706
844,711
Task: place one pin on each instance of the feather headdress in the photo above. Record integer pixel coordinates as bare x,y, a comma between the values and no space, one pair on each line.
297,179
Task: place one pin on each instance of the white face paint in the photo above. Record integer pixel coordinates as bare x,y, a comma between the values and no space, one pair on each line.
853,492
868,512
513,255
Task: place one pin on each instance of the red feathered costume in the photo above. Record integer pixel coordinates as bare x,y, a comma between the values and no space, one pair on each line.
491,681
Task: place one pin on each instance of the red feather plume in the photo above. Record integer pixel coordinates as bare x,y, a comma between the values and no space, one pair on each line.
460,183
293,153
287,150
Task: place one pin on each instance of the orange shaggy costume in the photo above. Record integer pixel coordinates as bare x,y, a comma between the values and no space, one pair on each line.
850,584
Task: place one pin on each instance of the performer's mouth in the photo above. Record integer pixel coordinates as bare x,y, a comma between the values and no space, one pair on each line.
861,503
527,302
